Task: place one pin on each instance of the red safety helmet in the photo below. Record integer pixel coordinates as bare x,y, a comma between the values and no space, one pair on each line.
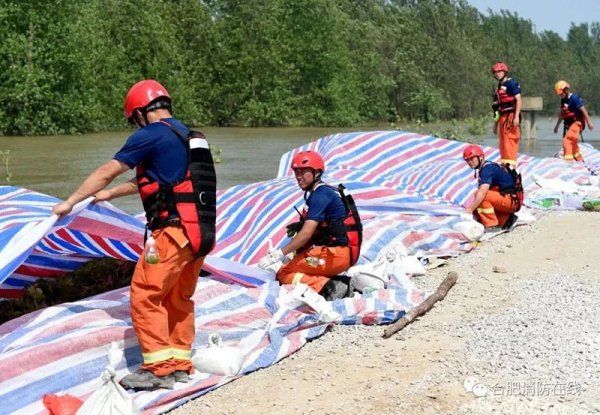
472,150
308,158
142,94
499,66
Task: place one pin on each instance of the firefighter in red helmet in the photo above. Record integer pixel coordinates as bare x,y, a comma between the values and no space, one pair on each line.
162,311
499,193
326,240
507,114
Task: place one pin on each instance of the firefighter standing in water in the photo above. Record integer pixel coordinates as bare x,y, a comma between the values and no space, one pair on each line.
507,114
162,311
499,194
327,239
575,117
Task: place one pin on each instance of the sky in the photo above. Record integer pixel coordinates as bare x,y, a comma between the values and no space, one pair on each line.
555,15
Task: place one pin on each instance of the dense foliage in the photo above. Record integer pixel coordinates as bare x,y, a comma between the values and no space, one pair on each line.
66,64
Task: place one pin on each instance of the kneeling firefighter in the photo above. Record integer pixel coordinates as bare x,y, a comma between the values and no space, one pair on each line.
499,194
175,178
326,240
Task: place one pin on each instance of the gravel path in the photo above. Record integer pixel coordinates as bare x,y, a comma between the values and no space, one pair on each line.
528,338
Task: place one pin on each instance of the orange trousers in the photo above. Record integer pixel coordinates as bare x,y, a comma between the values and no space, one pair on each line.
509,137
335,259
162,310
495,209
571,142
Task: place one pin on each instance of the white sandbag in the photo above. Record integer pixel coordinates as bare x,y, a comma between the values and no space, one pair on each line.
373,275
409,265
556,185
400,262
218,359
110,398
366,282
525,217
392,261
471,229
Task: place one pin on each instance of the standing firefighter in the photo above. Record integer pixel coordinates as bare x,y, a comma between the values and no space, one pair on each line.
507,114
499,194
575,118
176,180
328,237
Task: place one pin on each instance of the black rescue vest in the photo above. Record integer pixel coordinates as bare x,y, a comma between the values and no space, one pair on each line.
189,203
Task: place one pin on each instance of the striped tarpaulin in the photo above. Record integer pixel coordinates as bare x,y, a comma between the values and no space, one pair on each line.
409,189
64,348
96,231
412,184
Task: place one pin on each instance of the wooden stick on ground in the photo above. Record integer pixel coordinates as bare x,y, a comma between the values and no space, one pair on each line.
424,307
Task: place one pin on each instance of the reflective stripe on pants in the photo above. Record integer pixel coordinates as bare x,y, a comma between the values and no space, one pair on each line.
161,307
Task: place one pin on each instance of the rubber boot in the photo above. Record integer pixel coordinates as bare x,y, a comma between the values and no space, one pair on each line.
510,222
337,287
181,376
146,380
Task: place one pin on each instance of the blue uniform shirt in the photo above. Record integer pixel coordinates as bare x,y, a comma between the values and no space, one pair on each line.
575,102
325,204
512,87
496,176
163,154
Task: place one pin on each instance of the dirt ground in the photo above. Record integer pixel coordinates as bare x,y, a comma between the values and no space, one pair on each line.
421,370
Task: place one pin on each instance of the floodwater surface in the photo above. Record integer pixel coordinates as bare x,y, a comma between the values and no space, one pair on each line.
56,165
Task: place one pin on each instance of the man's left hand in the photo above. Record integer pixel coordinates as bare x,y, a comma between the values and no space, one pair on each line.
62,208
516,120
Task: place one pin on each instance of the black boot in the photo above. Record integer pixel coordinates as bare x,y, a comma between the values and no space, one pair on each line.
337,287
510,222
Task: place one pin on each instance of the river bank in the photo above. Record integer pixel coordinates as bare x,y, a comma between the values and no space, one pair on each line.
529,336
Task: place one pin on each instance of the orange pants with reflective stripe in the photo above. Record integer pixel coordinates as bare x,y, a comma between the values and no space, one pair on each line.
509,136
571,142
495,209
161,307
336,259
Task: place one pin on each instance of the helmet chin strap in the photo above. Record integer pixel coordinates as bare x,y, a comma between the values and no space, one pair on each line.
138,116
314,183
479,165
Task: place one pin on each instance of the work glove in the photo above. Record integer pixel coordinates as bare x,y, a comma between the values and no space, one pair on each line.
273,257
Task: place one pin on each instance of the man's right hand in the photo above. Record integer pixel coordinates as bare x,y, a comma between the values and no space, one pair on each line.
273,256
62,208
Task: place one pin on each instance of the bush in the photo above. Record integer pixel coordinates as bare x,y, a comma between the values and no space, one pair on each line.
94,277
